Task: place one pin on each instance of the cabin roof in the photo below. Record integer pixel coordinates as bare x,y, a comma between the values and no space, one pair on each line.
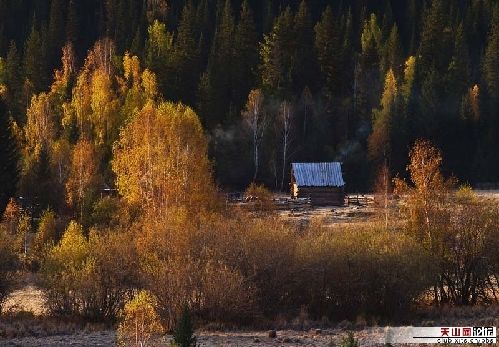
318,174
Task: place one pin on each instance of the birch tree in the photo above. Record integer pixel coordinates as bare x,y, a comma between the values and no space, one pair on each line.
286,118
256,120
161,159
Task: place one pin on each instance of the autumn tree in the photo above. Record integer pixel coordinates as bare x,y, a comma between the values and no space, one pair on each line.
40,129
158,47
139,321
379,140
160,159
83,177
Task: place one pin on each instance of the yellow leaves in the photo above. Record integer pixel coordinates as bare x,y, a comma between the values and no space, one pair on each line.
370,31
139,321
159,40
379,140
473,102
149,84
83,174
131,65
409,75
160,159
40,128
390,90
424,167
70,253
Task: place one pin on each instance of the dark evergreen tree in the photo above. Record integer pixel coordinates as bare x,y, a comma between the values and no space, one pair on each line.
458,79
491,58
245,57
13,82
184,70
183,334
35,64
55,31
304,60
9,159
328,48
221,107
393,57
276,54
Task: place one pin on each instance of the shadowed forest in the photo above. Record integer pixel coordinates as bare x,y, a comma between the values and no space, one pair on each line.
121,122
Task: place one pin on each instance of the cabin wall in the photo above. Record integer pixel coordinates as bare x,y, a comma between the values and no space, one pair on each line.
322,195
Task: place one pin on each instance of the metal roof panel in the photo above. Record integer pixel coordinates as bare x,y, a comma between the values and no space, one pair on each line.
318,174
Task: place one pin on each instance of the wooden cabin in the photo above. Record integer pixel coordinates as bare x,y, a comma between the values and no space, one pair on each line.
321,182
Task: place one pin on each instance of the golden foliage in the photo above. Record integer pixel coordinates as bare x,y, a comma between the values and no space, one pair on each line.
83,175
40,128
89,277
161,159
139,321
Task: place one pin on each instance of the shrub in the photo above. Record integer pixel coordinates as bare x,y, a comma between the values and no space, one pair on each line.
139,321
371,271
46,235
261,196
183,334
8,264
349,340
89,277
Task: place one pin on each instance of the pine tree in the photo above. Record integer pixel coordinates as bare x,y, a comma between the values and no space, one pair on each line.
55,31
13,83
276,55
157,53
183,334
221,108
304,62
458,76
491,58
434,46
245,56
184,67
368,79
387,23
9,158
379,141
35,60
329,53
72,25
393,55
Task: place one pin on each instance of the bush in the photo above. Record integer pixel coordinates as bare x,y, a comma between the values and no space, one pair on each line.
370,271
261,196
47,234
8,264
235,266
89,277
349,341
